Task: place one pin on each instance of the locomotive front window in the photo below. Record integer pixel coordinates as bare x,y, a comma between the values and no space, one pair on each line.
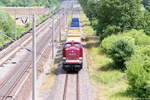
77,45
67,45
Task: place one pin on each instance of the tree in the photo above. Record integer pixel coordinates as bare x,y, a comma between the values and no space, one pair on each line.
89,7
121,14
147,23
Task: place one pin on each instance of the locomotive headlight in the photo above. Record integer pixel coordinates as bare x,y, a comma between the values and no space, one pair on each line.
64,58
80,58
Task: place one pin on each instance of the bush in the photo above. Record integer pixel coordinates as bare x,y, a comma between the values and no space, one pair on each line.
139,38
120,52
147,31
6,24
138,75
107,42
147,22
109,30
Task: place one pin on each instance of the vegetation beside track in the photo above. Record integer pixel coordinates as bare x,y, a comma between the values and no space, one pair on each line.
123,36
110,84
8,31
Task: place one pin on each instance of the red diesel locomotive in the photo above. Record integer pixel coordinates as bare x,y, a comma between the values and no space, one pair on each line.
72,56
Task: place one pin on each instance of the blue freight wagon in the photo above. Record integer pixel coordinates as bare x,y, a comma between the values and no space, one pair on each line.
75,22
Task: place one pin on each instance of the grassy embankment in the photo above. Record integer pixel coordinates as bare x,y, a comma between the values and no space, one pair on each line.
110,84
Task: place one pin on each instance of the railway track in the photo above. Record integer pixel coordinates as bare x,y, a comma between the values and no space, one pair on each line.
24,66
76,87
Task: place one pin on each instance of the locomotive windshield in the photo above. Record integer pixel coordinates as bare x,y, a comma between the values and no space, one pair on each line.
67,45
77,45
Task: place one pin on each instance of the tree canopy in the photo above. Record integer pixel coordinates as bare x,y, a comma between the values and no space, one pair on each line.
119,15
114,16
89,7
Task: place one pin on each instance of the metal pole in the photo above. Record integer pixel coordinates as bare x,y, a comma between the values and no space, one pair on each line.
53,37
15,31
34,59
66,15
59,29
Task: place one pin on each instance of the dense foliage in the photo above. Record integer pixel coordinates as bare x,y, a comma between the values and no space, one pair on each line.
138,71
137,38
147,23
89,7
24,3
138,66
120,52
115,16
118,16
123,27
6,24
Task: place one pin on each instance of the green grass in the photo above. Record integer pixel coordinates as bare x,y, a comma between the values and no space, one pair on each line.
3,40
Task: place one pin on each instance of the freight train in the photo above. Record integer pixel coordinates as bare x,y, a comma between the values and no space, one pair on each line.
73,49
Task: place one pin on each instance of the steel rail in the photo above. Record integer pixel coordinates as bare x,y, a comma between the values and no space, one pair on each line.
77,87
66,87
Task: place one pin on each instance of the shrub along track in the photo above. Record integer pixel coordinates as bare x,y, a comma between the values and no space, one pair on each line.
10,83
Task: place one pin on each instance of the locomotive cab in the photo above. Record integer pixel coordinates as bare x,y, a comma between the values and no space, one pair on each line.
72,56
